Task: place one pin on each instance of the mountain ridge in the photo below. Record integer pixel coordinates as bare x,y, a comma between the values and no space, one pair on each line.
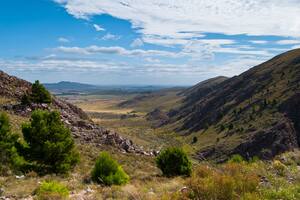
237,107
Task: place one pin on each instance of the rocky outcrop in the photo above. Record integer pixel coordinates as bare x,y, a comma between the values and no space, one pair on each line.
12,87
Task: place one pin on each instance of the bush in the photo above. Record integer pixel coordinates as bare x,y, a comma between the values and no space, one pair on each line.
38,94
195,140
52,190
107,171
174,161
50,145
236,158
279,167
9,156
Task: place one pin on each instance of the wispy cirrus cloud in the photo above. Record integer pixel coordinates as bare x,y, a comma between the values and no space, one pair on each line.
191,18
110,36
259,41
288,42
63,40
98,27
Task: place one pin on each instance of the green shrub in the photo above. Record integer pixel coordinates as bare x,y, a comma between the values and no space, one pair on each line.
236,158
107,171
38,94
9,157
50,147
52,190
174,161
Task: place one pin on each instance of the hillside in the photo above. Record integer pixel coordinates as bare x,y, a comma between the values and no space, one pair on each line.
164,100
255,113
83,129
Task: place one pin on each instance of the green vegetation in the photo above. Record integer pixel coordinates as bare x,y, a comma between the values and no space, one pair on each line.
52,190
107,171
9,156
50,146
174,161
236,159
38,94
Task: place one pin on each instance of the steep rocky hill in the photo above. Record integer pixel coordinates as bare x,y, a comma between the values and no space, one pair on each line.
82,128
259,109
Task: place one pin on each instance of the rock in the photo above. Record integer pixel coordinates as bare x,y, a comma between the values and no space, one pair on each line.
74,129
88,191
20,177
184,190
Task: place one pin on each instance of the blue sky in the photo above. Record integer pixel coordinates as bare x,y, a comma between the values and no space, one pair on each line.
154,42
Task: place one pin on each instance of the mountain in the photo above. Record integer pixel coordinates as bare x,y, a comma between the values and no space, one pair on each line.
254,114
66,86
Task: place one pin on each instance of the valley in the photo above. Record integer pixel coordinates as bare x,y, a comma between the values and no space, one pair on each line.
240,134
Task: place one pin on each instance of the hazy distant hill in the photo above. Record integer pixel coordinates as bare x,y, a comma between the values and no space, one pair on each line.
65,87
69,86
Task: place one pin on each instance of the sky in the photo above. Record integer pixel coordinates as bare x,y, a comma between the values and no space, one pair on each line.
143,42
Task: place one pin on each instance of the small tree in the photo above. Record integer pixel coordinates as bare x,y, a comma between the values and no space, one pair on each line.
8,152
174,161
38,94
107,171
50,144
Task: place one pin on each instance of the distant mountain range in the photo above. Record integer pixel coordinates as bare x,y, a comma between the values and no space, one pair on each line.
65,87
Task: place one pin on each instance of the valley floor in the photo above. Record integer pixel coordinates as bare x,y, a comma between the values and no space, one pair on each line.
278,179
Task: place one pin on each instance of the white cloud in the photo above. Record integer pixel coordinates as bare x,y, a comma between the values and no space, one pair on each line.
288,42
63,40
259,41
137,43
115,50
152,60
109,36
194,49
176,21
296,47
98,27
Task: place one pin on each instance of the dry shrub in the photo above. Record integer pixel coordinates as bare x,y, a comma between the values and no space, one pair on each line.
232,181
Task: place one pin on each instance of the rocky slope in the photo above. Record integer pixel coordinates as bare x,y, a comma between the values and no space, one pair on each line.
82,128
259,109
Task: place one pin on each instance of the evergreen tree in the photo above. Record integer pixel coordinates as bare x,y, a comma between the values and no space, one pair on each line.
39,94
9,156
50,144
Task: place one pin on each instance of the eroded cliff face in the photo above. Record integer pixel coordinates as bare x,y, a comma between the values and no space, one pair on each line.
268,143
291,108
